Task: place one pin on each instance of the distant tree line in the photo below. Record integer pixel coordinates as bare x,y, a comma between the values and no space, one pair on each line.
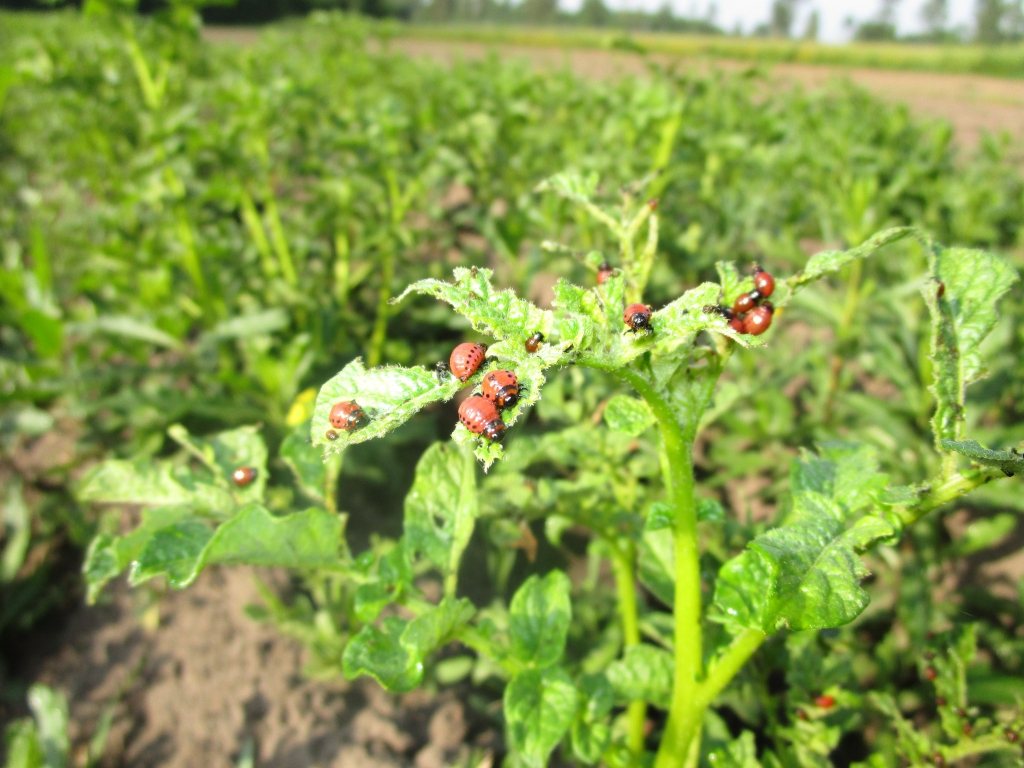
995,21
592,13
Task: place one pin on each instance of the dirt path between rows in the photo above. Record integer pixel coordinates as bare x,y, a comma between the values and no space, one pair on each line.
972,103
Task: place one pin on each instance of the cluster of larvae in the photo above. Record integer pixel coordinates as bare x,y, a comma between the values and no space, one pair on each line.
481,412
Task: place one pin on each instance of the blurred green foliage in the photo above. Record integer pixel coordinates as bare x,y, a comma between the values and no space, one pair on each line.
197,234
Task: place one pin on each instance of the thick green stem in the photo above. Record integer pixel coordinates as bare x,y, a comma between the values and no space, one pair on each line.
686,713
730,663
624,567
950,490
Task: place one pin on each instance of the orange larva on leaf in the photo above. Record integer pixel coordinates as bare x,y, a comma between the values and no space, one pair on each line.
501,388
466,359
638,318
480,416
243,476
347,415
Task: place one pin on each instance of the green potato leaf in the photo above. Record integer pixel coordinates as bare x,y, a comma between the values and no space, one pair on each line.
441,507
312,472
153,484
539,619
175,552
657,560
540,706
971,283
500,314
744,593
828,262
590,734
225,452
393,655
739,753
630,415
437,626
817,566
644,673
390,396
50,712
806,573
732,283
380,654
254,536
1009,462
108,556
843,472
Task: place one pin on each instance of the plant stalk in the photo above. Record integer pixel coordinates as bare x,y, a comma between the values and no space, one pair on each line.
686,713
950,490
624,568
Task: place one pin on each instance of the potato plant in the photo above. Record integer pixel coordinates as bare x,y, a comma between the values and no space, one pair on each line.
625,484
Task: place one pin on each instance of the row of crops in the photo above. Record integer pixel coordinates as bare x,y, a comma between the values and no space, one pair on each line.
196,237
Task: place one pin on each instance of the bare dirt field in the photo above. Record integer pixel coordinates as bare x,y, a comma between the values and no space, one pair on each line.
973,104
209,685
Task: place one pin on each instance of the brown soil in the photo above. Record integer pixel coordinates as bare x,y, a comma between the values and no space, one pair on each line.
209,683
973,104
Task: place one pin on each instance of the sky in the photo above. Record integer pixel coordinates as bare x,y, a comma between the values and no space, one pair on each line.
749,13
